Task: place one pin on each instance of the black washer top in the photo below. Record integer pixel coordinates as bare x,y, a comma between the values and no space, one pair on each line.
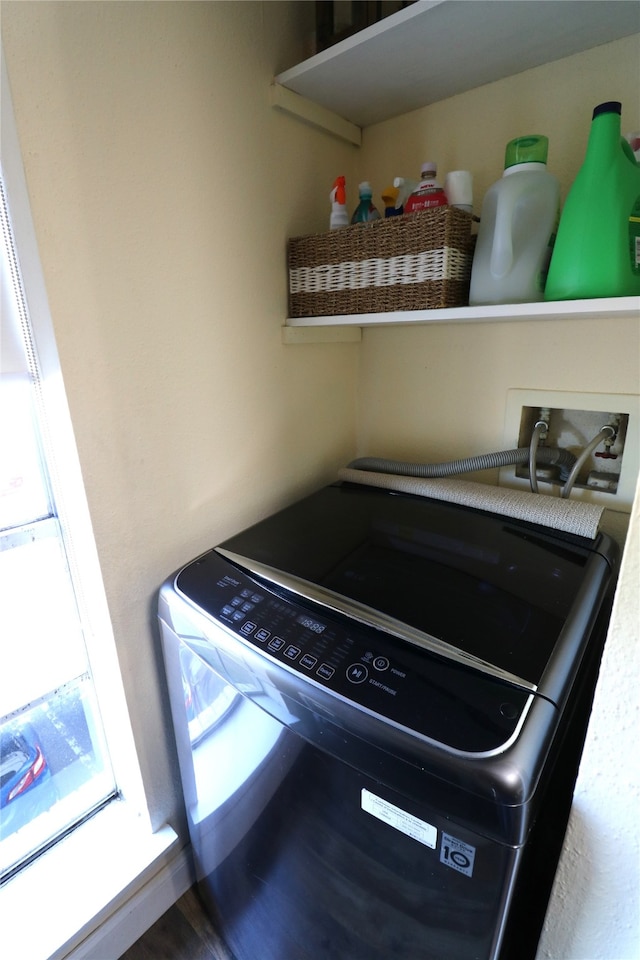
499,589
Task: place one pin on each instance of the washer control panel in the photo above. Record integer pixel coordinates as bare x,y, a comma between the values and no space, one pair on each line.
459,706
313,645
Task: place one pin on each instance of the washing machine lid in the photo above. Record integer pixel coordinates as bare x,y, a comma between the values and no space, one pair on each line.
466,584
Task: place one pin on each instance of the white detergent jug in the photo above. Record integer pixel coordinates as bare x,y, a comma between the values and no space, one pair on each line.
518,222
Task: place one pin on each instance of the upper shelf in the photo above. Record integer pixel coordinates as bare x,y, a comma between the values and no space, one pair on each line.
435,49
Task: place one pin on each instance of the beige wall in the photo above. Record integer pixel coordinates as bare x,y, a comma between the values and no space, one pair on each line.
163,187
433,393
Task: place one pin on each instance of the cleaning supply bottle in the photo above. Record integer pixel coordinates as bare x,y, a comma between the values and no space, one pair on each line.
338,196
366,210
633,139
390,200
458,186
429,193
597,252
405,186
517,228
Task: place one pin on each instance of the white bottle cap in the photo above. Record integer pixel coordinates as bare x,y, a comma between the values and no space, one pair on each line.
458,186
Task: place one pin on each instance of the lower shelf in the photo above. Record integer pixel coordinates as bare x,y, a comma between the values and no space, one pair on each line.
607,308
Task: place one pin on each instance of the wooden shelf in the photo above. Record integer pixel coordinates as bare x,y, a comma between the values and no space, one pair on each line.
435,49
607,308
427,52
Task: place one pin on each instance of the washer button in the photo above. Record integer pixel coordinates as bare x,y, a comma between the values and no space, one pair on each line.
325,671
357,673
381,663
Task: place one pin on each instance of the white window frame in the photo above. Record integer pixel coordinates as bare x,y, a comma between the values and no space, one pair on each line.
65,903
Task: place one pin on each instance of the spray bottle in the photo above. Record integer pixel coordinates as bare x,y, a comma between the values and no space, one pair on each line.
597,251
405,186
390,200
338,196
365,211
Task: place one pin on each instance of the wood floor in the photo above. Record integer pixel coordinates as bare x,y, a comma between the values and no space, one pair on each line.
184,932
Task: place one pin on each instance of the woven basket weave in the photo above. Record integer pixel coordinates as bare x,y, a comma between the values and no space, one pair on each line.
419,261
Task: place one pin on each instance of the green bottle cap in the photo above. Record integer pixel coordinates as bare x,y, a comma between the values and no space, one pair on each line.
526,150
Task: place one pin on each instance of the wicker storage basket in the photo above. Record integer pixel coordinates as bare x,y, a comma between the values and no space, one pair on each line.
420,261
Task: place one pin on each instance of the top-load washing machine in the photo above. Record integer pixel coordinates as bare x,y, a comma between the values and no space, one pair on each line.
380,702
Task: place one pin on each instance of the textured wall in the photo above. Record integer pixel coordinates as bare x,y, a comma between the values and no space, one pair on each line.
595,906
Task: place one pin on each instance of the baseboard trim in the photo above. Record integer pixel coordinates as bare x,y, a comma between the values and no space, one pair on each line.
139,910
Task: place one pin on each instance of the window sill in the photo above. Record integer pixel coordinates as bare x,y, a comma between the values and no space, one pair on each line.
57,904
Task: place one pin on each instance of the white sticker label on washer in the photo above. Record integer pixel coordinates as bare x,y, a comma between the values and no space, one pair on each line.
458,855
399,819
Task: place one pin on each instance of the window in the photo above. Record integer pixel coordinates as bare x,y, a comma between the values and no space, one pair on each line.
54,765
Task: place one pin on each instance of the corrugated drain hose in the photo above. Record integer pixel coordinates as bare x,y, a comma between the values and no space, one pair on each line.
486,461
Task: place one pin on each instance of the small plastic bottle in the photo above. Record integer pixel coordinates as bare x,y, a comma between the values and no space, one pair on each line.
633,139
517,227
405,186
339,216
429,193
390,200
458,186
366,210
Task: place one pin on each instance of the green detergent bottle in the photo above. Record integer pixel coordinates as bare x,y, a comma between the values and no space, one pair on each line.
597,249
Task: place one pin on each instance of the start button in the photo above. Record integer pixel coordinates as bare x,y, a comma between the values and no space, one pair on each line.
357,673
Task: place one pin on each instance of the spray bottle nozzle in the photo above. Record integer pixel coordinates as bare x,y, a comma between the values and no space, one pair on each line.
339,193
